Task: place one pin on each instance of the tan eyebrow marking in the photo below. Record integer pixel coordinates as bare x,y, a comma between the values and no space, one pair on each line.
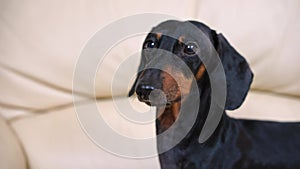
158,35
181,39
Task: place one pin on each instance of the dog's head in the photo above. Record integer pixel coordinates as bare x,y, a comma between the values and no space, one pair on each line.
172,58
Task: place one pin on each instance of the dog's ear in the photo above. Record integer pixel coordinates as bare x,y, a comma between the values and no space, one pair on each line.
237,71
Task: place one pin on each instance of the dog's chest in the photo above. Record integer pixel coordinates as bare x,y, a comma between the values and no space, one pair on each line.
197,156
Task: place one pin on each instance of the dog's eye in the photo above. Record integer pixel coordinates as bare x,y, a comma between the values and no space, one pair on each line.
190,48
149,44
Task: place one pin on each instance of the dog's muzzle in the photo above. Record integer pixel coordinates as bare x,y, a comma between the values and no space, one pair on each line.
150,95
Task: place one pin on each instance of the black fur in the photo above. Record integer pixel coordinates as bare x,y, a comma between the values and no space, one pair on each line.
236,143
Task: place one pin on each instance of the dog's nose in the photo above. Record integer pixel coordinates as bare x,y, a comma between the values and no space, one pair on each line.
143,91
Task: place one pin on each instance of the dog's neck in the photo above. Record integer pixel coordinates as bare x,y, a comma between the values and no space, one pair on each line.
168,115
184,152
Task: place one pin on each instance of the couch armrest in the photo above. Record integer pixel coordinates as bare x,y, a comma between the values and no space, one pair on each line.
11,155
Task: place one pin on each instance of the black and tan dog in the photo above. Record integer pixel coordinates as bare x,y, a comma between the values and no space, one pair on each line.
163,82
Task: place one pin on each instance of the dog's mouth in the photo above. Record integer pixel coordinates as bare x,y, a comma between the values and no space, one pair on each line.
160,104
157,98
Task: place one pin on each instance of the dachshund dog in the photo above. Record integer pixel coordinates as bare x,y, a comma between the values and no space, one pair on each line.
174,59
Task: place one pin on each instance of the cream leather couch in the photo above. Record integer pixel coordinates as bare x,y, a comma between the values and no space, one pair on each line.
40,42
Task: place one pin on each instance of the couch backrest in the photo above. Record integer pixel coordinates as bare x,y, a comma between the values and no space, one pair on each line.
41,41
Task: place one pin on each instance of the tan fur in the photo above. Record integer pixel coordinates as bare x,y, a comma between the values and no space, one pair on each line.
200,72
158,35
168,115
181,39
176,87
175,84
